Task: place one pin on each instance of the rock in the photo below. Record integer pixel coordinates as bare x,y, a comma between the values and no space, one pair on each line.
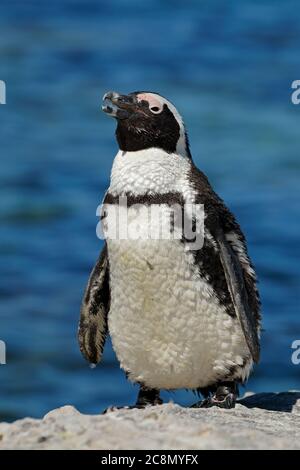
261,421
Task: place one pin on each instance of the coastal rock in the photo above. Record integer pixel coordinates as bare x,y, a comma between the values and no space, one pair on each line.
261,421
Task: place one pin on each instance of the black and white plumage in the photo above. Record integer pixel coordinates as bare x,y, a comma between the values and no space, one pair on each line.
178,317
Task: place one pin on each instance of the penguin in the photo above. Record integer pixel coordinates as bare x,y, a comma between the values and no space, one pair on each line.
179,316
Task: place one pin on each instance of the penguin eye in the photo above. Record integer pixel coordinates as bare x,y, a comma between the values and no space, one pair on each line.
155,110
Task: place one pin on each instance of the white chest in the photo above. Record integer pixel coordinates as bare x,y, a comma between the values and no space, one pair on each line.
167,326
149,171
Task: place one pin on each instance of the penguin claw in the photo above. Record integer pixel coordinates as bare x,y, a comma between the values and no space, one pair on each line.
226,402
109,409
206,403
138,406
146,398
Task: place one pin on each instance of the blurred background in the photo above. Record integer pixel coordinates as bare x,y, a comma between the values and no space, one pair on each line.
228,67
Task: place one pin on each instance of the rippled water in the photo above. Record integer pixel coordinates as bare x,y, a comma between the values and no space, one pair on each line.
228,67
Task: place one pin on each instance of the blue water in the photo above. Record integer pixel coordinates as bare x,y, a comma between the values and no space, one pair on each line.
228,66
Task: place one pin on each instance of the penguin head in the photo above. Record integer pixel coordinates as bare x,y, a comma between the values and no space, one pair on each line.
146,120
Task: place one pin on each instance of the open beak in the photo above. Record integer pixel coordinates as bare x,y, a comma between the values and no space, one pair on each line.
119,106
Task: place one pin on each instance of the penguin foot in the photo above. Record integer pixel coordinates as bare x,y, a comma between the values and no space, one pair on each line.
146,397
227,402
127,407
224,397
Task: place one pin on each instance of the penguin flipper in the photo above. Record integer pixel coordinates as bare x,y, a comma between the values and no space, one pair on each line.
92,329
238,292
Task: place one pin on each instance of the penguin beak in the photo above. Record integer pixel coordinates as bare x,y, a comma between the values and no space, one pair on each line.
118,106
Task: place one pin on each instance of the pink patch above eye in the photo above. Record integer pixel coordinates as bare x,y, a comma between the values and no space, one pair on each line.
153,102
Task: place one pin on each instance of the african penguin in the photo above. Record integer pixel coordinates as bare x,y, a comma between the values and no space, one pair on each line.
178,316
